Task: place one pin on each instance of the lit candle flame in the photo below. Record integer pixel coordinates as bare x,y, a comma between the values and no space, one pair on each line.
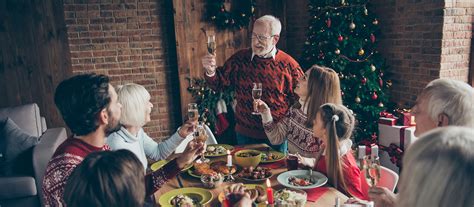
268,183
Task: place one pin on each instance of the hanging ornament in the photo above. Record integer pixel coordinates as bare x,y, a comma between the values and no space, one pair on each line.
352,25
374,96
372,38
389,83
337,52
381,105
361,52
364,80
357,99
213,17
307,43
342,93
366,12
340,38
381,74
375,22
372,68
343,2
381,82
341,75
328,22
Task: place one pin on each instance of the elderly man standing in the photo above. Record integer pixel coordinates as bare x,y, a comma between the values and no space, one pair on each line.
263,63
443,102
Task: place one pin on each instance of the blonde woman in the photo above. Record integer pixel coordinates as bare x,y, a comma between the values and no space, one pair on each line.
318,86
438,169
136,109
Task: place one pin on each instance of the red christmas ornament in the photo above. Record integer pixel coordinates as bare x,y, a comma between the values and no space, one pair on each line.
364,81
340,38
372,38
374,96
328,22
381,82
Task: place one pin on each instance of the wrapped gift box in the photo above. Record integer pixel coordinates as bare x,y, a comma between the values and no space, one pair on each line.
401,136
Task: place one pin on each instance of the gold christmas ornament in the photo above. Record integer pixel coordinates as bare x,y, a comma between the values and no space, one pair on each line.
357,99
361,52
352,25
375,22
372,68
381,105
337,52
366,12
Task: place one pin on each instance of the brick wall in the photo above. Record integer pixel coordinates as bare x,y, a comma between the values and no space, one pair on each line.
130,41
411,43
457,37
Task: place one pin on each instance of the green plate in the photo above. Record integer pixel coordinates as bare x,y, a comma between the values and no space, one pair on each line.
226,146
157,165
279,156
202,195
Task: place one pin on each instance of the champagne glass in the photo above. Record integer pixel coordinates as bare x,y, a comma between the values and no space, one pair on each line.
256,95
193,112
200,135
211,43
371,168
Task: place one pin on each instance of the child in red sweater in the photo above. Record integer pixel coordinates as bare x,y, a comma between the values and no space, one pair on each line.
334,125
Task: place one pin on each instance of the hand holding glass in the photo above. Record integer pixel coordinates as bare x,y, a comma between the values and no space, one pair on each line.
371,170
256,95
200,135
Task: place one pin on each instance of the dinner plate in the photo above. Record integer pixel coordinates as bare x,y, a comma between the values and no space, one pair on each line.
157,165
279,156
201,195
191,170
221,195
319,177
226,146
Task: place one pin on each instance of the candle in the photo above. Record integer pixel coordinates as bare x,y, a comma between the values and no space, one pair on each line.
269,192
361,152
374,151
229,159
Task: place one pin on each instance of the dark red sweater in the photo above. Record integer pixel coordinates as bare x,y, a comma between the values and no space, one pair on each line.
71,153
278,76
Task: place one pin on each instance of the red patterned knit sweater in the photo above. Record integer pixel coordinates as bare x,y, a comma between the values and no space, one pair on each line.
278,77
70,154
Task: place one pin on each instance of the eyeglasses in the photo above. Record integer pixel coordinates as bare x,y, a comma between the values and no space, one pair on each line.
261,38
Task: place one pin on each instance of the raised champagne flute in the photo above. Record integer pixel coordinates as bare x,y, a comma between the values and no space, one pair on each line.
211,43
193,112
256,95
371,167
200,135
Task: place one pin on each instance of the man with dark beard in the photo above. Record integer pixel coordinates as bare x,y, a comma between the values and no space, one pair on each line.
89,106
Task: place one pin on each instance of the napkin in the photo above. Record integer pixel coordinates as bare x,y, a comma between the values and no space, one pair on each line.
316,193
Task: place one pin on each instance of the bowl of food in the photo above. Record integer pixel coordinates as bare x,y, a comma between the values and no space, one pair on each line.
302,179
212,180
290,197
248,158
257,174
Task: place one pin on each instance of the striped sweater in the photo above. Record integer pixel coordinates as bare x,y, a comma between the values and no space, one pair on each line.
278,77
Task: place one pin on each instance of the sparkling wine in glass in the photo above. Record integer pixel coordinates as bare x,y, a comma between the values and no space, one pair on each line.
200,135
211,43
193,112
256,95
372,170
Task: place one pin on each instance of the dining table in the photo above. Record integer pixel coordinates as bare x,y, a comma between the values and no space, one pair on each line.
326,195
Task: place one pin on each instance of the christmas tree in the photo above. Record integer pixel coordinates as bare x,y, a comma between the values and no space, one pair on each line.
343,35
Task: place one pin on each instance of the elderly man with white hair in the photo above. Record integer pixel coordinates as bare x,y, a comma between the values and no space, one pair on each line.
443,102
263,63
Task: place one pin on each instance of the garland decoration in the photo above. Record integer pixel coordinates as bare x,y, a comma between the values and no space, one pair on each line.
242,11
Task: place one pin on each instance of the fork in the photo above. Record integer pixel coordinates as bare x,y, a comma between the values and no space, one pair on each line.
311,179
